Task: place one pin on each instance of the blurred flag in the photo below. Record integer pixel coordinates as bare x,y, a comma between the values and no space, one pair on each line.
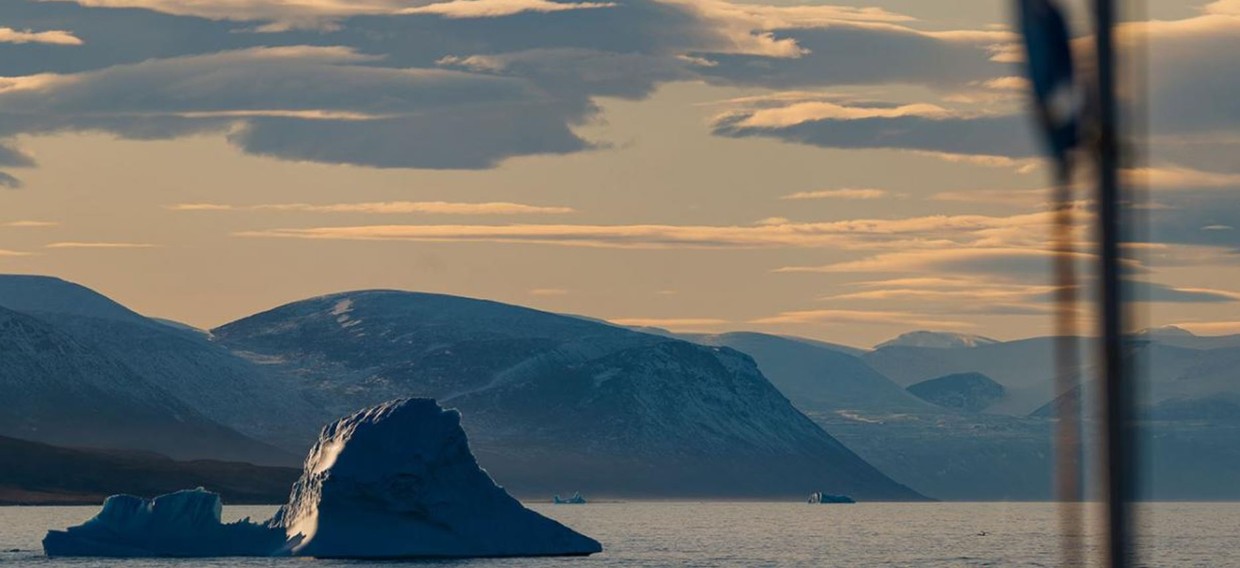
1048,64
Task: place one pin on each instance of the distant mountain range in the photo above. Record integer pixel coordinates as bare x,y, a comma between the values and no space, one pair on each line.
552,403
970,418
557,403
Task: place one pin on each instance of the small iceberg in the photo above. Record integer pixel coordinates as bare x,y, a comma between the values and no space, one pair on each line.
182,524
394,481
820,497
576,499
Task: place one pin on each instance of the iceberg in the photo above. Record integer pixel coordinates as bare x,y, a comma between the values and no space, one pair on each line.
394,481
820,497
182,524
576,499
399,481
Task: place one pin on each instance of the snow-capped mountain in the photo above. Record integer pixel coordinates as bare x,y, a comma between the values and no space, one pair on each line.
936,339
60,390
184,364
555,403
1179,337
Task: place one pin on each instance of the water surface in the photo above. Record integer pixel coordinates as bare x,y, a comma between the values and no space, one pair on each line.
640,534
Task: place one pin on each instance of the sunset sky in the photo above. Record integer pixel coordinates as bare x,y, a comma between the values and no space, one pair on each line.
840,172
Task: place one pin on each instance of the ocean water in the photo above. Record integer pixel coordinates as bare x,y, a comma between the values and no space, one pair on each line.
639,534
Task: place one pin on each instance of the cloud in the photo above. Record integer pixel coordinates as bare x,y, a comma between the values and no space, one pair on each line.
1015,197
1155,292
6,252
12,156
929,232
845,193
386,207
99,245
669,323
498,8
859,317
1179,177
30,224
921,127
275,10
322,14
52,37
1005,261
1210,327
305,103
368,82
7,180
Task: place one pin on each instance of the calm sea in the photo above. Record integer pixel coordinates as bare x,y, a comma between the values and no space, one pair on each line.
637,534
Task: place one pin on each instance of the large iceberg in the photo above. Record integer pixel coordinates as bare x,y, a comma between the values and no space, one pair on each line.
394,481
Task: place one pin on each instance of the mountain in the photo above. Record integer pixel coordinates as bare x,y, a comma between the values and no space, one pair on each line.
62,391
971,392
1023,367
555,403
1179,337
183,364
39,474
942,452
936,339
28,293
819,378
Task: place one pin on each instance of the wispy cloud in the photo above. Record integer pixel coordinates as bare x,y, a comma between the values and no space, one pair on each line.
928,232
843,193
1014,197
1210,327
1003,261
387,207
31,224
99,245
54,37
6,252
497,8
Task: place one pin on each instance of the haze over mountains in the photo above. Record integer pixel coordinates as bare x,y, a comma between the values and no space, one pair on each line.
556,403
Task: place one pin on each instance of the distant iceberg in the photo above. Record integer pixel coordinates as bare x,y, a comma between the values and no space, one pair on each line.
819,497
394,481
576,499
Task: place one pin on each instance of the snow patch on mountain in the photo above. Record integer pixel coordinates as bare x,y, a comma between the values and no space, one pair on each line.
936,339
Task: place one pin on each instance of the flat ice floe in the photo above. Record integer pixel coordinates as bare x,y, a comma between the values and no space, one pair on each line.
394,481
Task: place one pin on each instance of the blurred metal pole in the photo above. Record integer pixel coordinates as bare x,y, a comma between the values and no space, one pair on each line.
1117,393
1068,489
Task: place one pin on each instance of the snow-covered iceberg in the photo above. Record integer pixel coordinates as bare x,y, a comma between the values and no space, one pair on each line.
394,481
184,524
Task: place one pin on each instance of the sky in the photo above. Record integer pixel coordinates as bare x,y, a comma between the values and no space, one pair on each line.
845,173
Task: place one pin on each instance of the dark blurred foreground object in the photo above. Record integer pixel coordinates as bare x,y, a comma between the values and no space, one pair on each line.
1058,106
